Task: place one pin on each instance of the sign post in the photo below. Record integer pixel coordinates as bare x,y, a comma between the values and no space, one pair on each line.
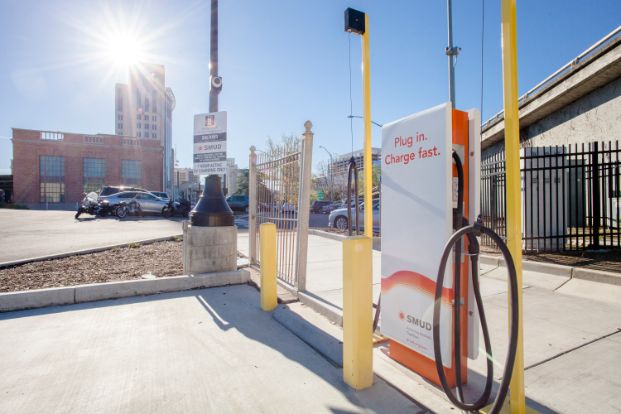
210,143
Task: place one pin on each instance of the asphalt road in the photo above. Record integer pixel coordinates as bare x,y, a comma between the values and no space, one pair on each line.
35,233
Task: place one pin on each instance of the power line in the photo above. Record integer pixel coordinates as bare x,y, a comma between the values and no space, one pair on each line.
351,101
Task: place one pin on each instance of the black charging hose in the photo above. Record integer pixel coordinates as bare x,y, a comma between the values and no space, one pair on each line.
471,232
352,173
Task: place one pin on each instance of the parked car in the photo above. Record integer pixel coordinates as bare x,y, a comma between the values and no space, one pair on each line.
319,205
107,190
150,203
338,218
161,195
331,207
119,204
139,201
238,202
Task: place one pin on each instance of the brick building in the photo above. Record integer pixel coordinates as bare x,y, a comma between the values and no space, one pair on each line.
53,169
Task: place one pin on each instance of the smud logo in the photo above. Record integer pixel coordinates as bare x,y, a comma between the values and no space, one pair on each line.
415,321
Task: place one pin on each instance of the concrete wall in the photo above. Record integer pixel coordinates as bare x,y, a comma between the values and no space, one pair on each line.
594,117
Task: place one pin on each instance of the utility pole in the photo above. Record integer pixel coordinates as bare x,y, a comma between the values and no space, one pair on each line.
451,52
214,80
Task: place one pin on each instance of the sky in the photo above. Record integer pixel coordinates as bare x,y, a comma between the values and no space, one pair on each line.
282,62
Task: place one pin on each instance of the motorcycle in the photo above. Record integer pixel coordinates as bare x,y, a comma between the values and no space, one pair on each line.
124,208
180,206
89,205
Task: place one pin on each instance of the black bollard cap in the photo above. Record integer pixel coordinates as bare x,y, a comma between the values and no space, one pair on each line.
212,210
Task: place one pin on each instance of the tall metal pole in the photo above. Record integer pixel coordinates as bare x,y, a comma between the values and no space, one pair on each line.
366,96
517,399
213,59
451,51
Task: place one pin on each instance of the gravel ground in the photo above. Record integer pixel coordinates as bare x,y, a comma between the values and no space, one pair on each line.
126,263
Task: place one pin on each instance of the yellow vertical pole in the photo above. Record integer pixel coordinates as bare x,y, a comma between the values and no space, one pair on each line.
517,399
357,318
367,164
267,237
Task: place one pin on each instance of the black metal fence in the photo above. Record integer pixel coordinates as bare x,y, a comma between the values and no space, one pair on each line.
570,196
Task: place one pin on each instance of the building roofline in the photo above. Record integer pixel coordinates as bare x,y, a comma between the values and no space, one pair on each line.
76,133
598,53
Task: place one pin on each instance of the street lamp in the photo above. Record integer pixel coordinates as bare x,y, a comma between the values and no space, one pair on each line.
330,172
361,117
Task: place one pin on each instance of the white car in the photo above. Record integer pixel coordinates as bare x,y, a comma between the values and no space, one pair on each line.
338,218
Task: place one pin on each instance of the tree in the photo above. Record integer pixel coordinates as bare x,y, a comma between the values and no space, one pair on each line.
243,181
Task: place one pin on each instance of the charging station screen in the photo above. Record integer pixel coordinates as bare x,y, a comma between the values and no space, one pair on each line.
416,217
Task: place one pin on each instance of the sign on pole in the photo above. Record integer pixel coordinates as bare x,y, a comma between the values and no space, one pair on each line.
210,143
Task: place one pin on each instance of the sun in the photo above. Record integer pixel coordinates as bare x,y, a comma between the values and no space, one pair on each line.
123,49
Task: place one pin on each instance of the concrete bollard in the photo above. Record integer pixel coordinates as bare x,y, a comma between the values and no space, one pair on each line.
357,318
267,237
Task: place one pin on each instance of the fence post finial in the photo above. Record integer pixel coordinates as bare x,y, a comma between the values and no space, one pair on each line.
307,126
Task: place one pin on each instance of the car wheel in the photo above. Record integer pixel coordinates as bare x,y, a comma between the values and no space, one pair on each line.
167,212
341,223
121,212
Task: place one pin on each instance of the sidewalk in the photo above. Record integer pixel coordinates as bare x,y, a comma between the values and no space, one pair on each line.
572,333
203,351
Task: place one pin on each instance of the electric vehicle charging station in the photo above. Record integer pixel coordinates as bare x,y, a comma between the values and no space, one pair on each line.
419,193
418,216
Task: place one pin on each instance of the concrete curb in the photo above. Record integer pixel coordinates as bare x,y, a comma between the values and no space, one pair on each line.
598,276
337,236
327,345
326,309
40,298
85,251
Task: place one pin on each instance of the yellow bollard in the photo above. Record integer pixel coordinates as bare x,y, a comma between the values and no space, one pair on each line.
267,237
517,397
357,312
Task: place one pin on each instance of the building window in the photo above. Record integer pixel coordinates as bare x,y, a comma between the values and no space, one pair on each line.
52,192
139,134
120,126
146,104
154,99
120,117
130,172
153,118
52,136
146,117
154,135
94,173
94,139
154,127
51,177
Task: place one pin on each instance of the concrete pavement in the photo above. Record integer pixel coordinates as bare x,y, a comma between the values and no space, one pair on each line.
207,351
572,333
